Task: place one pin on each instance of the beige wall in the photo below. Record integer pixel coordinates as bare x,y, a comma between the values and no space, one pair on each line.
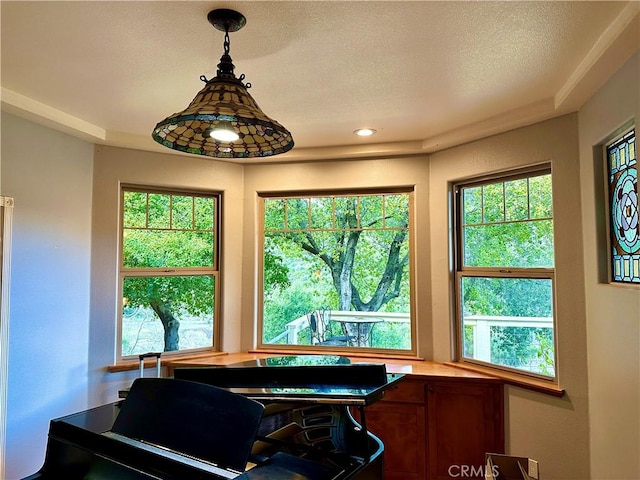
340,175
113,166
538,426
613,312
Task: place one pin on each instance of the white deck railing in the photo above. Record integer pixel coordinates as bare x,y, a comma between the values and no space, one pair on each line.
481,325
294,327
482,330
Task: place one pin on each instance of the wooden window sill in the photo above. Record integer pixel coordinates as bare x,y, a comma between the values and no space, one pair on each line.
129,365
342,353
522,381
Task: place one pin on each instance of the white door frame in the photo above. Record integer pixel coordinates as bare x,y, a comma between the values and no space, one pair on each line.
6,217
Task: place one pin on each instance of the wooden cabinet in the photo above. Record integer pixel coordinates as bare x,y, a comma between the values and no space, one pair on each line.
465,420
440,428
437,423
399,421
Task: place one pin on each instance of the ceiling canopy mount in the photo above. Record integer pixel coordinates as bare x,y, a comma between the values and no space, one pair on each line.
226,20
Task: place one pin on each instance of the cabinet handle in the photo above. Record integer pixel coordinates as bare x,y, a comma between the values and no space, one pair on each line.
431,389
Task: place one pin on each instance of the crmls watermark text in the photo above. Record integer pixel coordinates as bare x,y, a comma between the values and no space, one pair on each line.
470,471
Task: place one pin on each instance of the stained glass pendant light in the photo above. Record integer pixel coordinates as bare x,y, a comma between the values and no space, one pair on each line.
223,120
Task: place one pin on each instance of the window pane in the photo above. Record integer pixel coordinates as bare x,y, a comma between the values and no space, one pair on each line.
338,275
321,212
135,209
161,248
522,244
509,322
509,224
167,313
540,202
396,211
297,213
493,200
182,212
472,205
159,210
204,213
516,199
346,216
371,215
179,232
274,214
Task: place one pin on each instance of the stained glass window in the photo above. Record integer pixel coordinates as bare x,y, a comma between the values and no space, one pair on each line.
623,209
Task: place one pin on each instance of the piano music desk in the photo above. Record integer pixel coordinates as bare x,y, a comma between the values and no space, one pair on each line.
437,417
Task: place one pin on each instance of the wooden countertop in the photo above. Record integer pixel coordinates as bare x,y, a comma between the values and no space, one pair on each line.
411,368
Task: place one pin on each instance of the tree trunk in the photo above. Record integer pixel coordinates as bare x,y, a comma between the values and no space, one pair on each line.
341,265
389,284
344,270
170,323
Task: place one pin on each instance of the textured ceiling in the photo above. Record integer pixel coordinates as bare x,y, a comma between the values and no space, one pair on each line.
426,75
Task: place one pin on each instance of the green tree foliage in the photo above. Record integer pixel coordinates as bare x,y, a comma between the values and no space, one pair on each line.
343,252
275,271
509,224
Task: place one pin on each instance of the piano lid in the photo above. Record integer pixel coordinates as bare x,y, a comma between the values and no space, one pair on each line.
303,378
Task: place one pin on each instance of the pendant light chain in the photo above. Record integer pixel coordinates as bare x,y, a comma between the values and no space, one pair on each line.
227,42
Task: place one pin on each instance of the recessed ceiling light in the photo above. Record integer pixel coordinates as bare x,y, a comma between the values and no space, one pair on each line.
364,132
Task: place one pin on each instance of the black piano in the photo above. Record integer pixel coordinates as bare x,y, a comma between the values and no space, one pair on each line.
278,418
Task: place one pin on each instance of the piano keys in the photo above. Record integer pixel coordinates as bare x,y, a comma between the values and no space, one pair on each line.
283,418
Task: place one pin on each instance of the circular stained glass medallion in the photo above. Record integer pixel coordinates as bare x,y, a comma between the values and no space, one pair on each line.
625,211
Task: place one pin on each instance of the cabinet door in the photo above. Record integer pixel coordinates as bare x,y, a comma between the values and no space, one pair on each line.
401,429
399,421
464,422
